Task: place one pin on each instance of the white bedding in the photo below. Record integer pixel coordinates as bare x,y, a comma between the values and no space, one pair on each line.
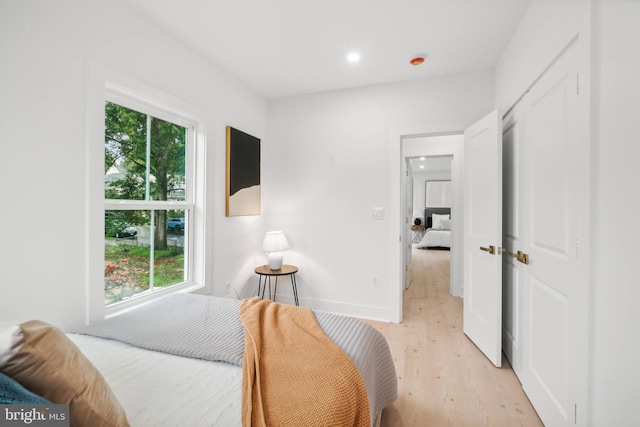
435,238
160,389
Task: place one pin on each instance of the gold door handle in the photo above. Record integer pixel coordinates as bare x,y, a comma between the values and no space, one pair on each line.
511,254
490,249
520,256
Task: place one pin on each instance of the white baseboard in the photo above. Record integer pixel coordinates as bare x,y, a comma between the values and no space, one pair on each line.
381,314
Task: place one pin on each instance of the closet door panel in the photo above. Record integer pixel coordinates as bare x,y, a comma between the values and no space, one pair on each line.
556,174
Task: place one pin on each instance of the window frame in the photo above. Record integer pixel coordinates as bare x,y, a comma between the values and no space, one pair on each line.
104,84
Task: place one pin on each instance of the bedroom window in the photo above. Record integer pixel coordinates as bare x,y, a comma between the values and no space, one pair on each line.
149,174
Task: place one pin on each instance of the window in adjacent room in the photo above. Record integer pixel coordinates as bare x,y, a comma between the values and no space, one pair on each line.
149,199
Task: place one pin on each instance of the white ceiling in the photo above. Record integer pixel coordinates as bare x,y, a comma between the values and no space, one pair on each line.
290,47
431,164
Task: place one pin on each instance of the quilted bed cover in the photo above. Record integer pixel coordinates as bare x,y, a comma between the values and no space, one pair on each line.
209,329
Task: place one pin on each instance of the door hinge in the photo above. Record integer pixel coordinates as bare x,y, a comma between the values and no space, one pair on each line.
406,172
575,413
406,267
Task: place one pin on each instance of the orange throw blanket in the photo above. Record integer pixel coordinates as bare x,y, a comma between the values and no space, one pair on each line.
293,374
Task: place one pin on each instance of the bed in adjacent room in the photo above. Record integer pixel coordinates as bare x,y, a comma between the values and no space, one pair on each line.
438,229
179,361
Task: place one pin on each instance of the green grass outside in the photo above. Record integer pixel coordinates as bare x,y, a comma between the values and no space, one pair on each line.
130,270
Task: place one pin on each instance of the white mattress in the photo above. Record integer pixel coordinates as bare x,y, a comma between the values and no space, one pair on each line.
159,389
435,238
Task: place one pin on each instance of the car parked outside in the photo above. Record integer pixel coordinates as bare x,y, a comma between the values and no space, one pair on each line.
175,224
127,231
119,229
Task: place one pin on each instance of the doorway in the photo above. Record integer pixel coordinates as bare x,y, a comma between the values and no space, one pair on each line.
437,140
430,177
434,172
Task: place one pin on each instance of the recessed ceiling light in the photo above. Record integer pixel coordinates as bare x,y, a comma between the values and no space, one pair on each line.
353,57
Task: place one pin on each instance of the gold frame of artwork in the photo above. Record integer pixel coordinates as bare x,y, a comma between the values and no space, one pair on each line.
243,174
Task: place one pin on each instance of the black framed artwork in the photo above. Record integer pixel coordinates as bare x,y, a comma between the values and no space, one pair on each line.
243,173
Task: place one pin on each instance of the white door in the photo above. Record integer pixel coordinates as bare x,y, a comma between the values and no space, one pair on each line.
482,321
556,206
513,274
408,209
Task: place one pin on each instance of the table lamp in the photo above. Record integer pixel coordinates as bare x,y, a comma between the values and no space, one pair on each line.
274,243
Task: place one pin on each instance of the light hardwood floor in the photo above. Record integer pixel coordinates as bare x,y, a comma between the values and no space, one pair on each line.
443,379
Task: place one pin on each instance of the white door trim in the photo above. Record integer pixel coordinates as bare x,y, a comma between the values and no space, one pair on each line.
396,214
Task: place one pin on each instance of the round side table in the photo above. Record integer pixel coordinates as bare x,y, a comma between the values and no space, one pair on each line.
418,233
265,274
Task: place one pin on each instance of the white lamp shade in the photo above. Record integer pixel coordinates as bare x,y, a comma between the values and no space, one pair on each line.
275,241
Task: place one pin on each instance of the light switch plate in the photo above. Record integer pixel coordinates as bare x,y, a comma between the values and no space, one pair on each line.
377,213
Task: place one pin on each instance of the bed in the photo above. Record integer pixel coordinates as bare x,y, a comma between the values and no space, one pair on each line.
178,360
438,229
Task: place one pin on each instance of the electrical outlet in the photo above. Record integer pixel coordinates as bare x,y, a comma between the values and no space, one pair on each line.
375,281
231,291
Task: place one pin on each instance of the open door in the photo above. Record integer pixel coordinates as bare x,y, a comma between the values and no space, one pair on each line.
482,321
408,209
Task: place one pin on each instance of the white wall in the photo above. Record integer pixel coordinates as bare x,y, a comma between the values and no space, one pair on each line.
545,28
612,27
46,49
330,165
616,347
